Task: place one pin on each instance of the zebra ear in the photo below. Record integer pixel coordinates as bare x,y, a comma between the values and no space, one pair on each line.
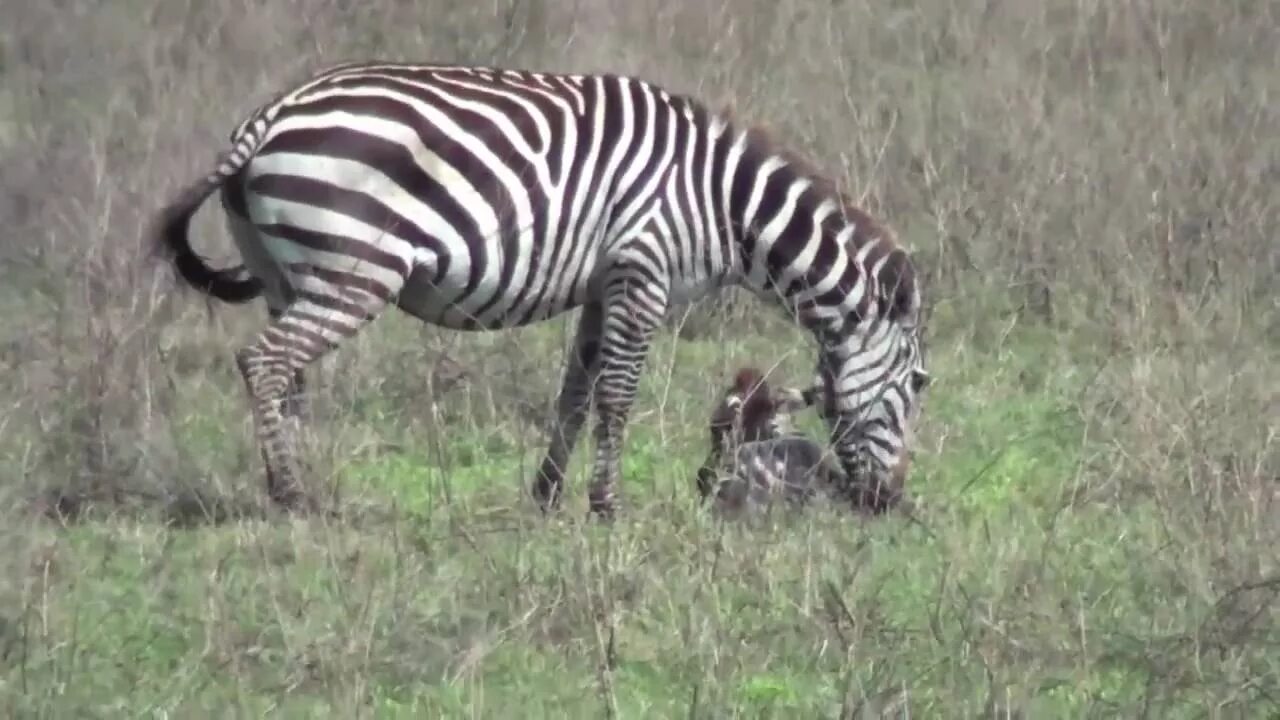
901,289
920,380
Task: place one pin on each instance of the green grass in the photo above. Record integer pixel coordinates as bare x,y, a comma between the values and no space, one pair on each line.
464,603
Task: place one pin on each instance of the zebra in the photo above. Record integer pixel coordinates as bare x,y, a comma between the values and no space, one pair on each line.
482,198
749,411
751,425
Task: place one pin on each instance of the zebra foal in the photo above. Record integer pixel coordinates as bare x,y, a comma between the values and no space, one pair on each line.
480,199
754,455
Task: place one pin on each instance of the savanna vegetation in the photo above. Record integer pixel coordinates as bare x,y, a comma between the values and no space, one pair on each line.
1089,188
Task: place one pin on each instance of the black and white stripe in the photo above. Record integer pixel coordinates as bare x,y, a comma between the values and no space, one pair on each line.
480,199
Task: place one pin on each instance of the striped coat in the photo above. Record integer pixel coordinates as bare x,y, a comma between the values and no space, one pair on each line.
480,199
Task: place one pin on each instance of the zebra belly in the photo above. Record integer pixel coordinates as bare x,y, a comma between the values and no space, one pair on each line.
523,279
445,302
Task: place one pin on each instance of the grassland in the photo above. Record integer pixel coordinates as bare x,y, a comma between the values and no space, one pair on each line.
1090,189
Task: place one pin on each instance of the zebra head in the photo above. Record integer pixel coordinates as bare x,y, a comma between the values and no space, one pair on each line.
871,378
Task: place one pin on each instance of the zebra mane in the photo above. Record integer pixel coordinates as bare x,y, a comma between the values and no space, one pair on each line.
897,276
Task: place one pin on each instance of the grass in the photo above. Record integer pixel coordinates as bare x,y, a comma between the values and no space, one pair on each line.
1089,189
1010,591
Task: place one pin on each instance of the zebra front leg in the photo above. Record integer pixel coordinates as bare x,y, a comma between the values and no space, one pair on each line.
633,310
571,408
298,336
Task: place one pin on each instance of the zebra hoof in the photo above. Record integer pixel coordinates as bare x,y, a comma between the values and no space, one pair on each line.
602,509
295,504
877,501
291,500
546,494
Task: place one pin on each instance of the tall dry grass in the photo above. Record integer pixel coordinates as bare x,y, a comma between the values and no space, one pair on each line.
1106,169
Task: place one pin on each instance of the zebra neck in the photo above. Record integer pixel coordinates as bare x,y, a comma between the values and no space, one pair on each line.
798,239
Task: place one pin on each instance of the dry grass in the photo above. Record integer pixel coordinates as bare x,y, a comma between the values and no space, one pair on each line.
1090,188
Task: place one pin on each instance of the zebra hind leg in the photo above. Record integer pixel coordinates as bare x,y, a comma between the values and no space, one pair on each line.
634,309
271,366
571,413
296,405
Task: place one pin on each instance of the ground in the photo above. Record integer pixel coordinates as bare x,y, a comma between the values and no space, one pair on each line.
1090,191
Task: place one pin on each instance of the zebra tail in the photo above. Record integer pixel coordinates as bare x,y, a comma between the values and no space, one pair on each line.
170,239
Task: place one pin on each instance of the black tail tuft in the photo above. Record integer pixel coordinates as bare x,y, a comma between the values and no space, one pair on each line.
170,239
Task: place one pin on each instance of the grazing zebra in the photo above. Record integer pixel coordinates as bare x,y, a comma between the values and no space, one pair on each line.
764,457
480,198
